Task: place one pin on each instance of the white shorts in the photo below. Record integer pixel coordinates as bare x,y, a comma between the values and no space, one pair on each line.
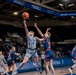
31,53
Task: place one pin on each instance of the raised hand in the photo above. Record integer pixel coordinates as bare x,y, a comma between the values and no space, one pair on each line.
35,24
39,31
48,29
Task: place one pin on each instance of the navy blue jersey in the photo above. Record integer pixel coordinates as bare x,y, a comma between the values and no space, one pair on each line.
11,55
47,44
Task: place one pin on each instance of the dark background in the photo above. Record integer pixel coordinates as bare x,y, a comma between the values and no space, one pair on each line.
59,33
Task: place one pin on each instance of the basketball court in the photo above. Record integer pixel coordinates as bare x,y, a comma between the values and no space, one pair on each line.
59,71
19,17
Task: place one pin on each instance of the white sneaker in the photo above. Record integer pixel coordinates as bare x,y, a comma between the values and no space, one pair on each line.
70,70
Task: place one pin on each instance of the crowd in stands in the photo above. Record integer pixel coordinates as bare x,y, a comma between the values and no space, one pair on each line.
19,41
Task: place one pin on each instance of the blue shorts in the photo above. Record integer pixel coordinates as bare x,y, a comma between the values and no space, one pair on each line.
10,62
49,55
73,56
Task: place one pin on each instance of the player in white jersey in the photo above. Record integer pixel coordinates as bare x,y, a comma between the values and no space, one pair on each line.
31,50
2,60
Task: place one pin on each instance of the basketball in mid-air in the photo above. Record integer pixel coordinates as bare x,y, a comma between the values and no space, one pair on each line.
25,15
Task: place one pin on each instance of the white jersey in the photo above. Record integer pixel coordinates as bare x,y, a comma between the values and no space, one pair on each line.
2,58
31,42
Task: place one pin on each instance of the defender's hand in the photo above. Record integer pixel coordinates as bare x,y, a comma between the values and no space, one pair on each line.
35,24
48,29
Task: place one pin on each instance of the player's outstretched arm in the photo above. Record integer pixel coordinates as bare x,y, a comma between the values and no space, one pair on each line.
40,39
25,26
47,30
39,31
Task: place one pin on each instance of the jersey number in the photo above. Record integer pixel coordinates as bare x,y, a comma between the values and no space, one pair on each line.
32,43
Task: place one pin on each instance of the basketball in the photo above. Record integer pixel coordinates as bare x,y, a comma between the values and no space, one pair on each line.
25,15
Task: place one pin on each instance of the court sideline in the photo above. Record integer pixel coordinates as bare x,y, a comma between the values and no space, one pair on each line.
59,71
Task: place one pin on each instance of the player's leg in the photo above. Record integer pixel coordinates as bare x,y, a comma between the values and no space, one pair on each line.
42,64
74,63
51,55
26,58
23,62
70,69
9,68
13,66
48,61
47,67
9,62
37,62
36,59
4,67
51,67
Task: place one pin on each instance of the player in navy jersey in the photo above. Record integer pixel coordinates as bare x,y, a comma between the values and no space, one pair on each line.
48,52
73,55
31,48
11,59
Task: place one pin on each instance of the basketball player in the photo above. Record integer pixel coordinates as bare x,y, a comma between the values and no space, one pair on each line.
47,48
2,60
31,49
73,54
11,60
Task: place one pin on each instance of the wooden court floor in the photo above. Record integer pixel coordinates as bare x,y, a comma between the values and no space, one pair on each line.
60,71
